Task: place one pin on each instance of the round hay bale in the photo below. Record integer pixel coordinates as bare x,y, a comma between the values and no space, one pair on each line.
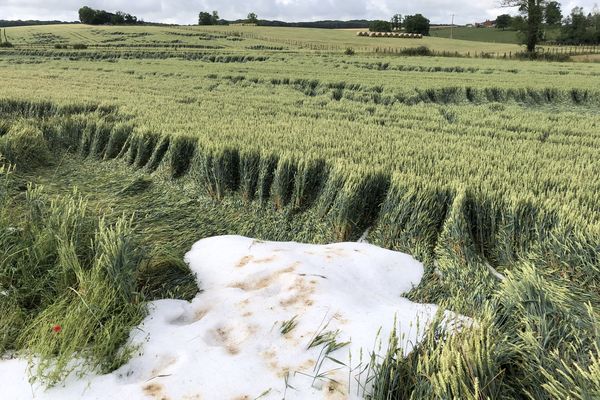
372,34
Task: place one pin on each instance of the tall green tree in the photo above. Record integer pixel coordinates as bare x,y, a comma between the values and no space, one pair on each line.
594,22
252,18
503,21
416,24
396,22
90,16
553,13
86,15
576,27
206,18
120,18
518,23
533,14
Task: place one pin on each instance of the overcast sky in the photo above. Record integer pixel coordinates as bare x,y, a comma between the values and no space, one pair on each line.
186,11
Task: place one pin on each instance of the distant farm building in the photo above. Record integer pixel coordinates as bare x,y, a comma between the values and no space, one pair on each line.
486,24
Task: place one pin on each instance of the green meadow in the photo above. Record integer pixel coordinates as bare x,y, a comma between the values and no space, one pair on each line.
491,35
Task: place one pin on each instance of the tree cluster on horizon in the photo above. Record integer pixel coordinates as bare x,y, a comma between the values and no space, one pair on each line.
579,28
536,15
207,18
90,16
410,23
551,16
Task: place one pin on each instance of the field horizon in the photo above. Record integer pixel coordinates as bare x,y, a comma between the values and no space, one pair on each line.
123,146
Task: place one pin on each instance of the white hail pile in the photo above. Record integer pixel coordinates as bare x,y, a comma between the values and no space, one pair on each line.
273,320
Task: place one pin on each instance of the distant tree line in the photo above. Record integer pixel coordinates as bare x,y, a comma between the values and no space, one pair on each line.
411,24
206,18
90,16
326,24
8,24
212,18
577,28
550,14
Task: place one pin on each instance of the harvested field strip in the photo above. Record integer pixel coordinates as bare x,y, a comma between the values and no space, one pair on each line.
128,54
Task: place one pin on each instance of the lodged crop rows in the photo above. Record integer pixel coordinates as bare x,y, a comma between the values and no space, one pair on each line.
510,129
487,170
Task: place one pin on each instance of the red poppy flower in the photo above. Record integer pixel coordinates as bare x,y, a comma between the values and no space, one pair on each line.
56,328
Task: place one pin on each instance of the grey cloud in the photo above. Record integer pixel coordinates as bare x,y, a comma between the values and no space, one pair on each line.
186,11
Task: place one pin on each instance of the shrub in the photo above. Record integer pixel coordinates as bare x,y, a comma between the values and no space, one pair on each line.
349,51
539,56
421,51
